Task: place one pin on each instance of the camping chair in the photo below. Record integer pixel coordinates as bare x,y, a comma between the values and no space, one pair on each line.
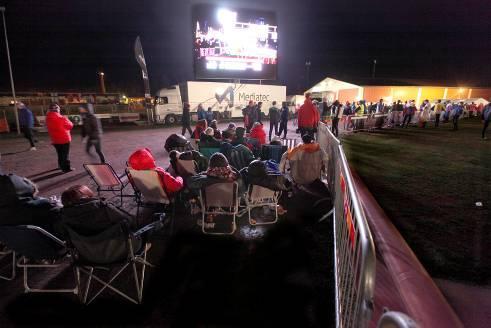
38,249
258,196
8,253
220,199
289,143
208,151
273,152
186,168
106,179
148,190
113,250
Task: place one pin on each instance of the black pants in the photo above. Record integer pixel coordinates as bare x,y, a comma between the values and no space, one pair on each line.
271,125
97,145
334,128
408,118
283,128
437,120
28,135
188,128
484,128
455,121
63,150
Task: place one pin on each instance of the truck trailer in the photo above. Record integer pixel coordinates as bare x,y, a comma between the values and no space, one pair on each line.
226,98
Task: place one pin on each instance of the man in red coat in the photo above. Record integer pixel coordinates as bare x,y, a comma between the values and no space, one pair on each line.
308,116
59,131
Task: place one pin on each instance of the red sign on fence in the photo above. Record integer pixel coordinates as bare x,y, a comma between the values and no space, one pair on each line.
347,212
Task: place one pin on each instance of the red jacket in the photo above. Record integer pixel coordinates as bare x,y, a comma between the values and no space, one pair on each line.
142,159
308,116
259,134
58,128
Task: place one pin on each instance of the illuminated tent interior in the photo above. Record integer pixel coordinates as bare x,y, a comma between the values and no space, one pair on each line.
331,89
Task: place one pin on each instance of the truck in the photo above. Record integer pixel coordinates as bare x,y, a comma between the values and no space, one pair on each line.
226,99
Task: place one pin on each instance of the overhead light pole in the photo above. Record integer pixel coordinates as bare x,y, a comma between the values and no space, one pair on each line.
2,9
307,66
103,83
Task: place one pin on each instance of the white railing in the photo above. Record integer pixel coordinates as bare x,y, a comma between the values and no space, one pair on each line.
354,251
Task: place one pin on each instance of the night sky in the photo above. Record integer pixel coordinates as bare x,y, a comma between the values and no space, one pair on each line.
61,45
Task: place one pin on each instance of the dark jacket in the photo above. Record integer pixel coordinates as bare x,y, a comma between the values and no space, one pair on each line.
274,115
91,126
265,174
26,118
284,114
207,141
18,205
186,116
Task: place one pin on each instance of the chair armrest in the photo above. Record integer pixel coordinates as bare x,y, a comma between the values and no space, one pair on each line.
47,234
154,226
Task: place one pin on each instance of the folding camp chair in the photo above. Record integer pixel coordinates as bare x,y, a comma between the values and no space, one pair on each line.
289,143
38,249
273,152
186,168
133,246
220,199
208,151
106,179
148,189
258,196
11,254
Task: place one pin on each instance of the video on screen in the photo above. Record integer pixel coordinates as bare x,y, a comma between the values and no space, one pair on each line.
234,43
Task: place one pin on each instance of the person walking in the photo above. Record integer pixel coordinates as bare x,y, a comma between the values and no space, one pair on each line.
439,108
408,114
337,114
308,116
186,119
274,118
59,131
486,118
92,130
457,111
26,122
284,120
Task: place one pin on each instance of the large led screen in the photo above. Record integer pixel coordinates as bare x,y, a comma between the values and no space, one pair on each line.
234,43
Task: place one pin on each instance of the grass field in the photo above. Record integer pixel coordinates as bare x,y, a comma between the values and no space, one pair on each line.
428,181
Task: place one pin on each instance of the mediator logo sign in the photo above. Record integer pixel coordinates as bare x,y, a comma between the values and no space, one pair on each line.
229,95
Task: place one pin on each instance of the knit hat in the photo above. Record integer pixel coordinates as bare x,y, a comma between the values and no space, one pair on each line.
218,160
209,131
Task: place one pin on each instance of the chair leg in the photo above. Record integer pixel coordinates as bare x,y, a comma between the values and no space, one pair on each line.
13,271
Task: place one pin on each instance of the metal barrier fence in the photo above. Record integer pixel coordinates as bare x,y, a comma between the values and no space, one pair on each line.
365,122
354,249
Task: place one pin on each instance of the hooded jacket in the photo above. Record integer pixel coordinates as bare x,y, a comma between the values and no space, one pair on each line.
91,126
58,128
306,162
142,159
258,133
308,116
26,118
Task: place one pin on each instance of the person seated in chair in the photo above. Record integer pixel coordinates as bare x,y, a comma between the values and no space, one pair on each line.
306,160
207,139
89,221
142,159
216,132
266,174
177,142
82,208
258,133
231,130
191,155
20,204
200,128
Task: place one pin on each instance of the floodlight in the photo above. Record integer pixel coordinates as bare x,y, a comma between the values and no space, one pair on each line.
226,17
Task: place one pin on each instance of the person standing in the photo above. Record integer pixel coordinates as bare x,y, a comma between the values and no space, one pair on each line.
438,112
326,110
59,131
209,116
457,111
308,116
186,119
486,118
259,112
337,114
408,114
251,115
91,128
274,118
26,122
284,120
380,107
201,112
425,115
